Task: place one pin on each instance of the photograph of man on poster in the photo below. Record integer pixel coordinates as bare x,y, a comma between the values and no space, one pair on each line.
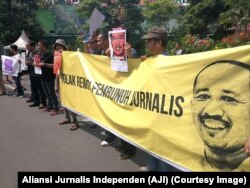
117,41
221,109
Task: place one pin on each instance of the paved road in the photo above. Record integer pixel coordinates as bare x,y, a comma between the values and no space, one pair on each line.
31,140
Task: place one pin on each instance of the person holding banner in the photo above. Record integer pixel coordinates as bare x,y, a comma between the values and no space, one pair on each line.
156,43
70,117
128,150
221,108
90,46
17,79
103,46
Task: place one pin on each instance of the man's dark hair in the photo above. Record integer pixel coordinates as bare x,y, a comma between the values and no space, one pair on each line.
32,43
232,62
44,42
14,47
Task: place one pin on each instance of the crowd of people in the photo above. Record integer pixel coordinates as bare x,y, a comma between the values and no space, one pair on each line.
45,90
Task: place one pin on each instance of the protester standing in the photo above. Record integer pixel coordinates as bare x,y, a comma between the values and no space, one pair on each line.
17,79
70,117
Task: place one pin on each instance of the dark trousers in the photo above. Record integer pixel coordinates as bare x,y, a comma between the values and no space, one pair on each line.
19,88
127,148
49,90
37,90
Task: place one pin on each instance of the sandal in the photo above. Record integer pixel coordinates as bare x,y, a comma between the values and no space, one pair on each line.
74,126
66,121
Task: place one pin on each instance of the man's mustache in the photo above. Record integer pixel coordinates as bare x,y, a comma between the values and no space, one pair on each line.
204,117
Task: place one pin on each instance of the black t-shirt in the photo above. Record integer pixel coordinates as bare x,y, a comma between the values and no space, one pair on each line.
47,73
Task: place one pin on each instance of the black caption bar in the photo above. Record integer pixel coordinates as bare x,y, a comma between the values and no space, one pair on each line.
81,179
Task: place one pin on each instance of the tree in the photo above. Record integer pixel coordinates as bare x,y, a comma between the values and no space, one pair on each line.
202,17
237,16
86,7
123,13
157,13
15,17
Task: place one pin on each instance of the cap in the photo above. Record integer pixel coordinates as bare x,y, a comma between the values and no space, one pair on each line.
156,33
61,42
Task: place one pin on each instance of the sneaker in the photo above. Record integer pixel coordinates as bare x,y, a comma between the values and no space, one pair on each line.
94,127
145,169
54,113
108,141
104,133
21,96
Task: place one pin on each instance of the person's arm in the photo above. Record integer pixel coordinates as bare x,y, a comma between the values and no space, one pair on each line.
47,65
128,50
57,85
107,52
247,147
143,57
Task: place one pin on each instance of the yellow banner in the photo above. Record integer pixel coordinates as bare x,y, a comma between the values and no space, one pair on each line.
191,110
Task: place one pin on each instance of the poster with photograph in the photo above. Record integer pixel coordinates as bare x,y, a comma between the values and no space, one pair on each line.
10,65
57,62
24,67
117,41
37,68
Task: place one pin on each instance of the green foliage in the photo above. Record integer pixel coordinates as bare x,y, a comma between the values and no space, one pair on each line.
202,17
123,13
66,20
86,7
157,13
15,17
237,15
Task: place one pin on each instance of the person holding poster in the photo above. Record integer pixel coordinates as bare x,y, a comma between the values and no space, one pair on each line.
221,108
17,79
37,93
128,150
103,46
48,77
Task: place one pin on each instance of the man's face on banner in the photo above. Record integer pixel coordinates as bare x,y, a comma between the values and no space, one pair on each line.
118,42
221,106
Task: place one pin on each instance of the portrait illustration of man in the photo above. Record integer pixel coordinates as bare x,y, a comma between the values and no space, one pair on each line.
221,112
117,40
